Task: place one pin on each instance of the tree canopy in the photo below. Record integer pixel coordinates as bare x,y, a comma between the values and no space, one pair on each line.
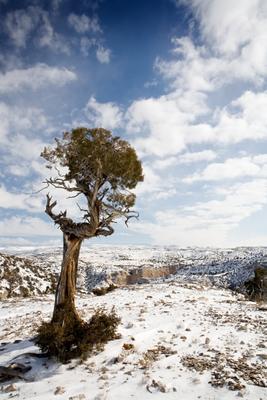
99,166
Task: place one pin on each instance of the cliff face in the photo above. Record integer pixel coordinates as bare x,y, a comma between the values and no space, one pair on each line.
101,267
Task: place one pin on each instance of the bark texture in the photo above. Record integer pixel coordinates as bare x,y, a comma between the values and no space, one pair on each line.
65,294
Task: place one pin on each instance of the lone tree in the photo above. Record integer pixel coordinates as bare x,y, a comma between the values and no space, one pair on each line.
102,169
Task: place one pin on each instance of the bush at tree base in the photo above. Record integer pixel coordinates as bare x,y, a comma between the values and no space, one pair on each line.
77,338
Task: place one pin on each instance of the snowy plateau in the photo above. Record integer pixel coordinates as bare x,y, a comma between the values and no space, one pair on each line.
186,331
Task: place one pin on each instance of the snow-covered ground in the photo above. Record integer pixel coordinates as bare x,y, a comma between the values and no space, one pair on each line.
178,341
33,270
186,337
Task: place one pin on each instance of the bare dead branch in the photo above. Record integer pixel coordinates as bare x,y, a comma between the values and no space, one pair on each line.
134,214
75,195
61,184
105,232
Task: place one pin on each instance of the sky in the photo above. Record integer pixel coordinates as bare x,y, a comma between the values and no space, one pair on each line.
184,81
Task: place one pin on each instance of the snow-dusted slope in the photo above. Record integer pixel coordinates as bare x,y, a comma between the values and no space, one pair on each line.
22,277
178,341
100,265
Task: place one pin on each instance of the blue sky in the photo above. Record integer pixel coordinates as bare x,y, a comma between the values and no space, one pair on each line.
183,80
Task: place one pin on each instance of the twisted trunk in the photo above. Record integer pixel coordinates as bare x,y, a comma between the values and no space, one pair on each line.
64,307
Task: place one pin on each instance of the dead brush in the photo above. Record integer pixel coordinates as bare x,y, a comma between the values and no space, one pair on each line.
152,355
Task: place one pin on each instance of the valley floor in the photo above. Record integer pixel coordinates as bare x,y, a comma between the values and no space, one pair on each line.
178,341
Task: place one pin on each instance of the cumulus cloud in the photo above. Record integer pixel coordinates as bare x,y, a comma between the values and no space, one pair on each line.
233,168
35,78
19,201
234,46
230,27
86,44
26,226
185,158
171,128
22,138
55,4
229,53
103,55
154,185
83,23
16,120
194,157
165,120
21,24
107,115
207,223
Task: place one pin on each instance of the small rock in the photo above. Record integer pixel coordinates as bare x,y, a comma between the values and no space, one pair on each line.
59,390
262,356
9,389
128,346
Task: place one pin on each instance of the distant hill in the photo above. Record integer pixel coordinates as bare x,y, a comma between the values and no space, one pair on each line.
35,272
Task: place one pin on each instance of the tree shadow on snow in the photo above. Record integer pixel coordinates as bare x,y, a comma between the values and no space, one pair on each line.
23,360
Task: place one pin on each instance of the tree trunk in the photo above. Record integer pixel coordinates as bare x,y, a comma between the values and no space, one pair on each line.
65,294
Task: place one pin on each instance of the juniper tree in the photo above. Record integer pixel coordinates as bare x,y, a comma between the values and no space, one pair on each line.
102,169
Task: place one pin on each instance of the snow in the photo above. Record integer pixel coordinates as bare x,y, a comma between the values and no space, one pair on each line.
164,322
32,269
167,325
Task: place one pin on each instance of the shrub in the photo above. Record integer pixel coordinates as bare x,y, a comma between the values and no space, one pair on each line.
77,338
103,290
256,288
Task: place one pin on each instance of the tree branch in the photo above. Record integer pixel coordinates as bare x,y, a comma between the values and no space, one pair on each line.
82,230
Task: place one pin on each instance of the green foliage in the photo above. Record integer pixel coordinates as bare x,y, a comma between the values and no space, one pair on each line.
95,159
77,338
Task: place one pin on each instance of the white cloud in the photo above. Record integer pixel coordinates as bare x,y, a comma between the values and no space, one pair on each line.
86,44
15,120
23,24
154,185
207,223
55,4
231,27
245,118
51,39
234,46
165,163
27,226
167,124
107,115
170,127
185,158
35,78
83,23
194,157
232,168
19,201
103,55
165,120
19,24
